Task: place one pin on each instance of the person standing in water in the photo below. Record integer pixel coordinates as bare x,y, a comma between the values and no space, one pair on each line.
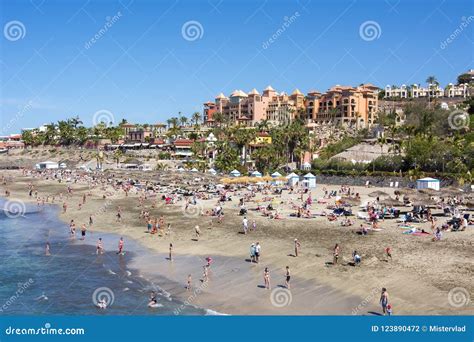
120,246
171,252
189,283
83,232
287,277
48,249
266,278
100,247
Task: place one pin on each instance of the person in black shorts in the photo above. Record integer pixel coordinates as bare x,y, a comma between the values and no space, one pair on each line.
287,277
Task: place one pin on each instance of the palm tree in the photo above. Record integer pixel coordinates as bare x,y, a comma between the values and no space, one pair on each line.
117,155
183,120
242,138
196,118
432,80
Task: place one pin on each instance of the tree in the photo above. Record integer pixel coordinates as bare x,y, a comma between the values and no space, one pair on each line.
267,159
465,78
227,158
431,80
242,138
196,118
28,138
117,155
183,121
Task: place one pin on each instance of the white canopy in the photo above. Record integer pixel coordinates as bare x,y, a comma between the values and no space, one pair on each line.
276,174
309,175
292,175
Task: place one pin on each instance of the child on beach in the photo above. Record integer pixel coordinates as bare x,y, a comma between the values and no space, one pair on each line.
389,310
388,252
197,231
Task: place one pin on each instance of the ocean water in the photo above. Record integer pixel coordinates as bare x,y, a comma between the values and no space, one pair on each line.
73,277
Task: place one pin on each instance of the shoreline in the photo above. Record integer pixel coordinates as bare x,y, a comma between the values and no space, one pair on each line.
229,293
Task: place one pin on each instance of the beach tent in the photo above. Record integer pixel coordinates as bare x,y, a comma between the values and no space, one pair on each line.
310,180
292,179
194,170
212,172
62,166
47,165
427,183
180,169
306,166
256,174
277,178
234,173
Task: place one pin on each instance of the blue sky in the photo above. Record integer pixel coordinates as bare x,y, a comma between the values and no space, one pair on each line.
142,68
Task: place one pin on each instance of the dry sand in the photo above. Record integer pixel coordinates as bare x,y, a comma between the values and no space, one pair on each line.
418,278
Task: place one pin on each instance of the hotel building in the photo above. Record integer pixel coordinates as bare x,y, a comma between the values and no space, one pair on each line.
340,104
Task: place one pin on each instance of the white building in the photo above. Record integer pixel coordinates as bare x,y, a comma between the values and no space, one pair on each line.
452,90
400,92
427,183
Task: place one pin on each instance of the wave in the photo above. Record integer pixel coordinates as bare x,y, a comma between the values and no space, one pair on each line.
210,312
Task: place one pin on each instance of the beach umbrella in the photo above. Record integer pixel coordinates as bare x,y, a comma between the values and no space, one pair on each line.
378,193
429,191
406,191
425,202
453,191
350,200
391,202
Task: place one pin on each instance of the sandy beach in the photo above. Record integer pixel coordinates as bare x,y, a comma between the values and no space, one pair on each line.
418,278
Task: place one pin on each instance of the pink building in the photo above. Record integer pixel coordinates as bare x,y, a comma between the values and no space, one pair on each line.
249,109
